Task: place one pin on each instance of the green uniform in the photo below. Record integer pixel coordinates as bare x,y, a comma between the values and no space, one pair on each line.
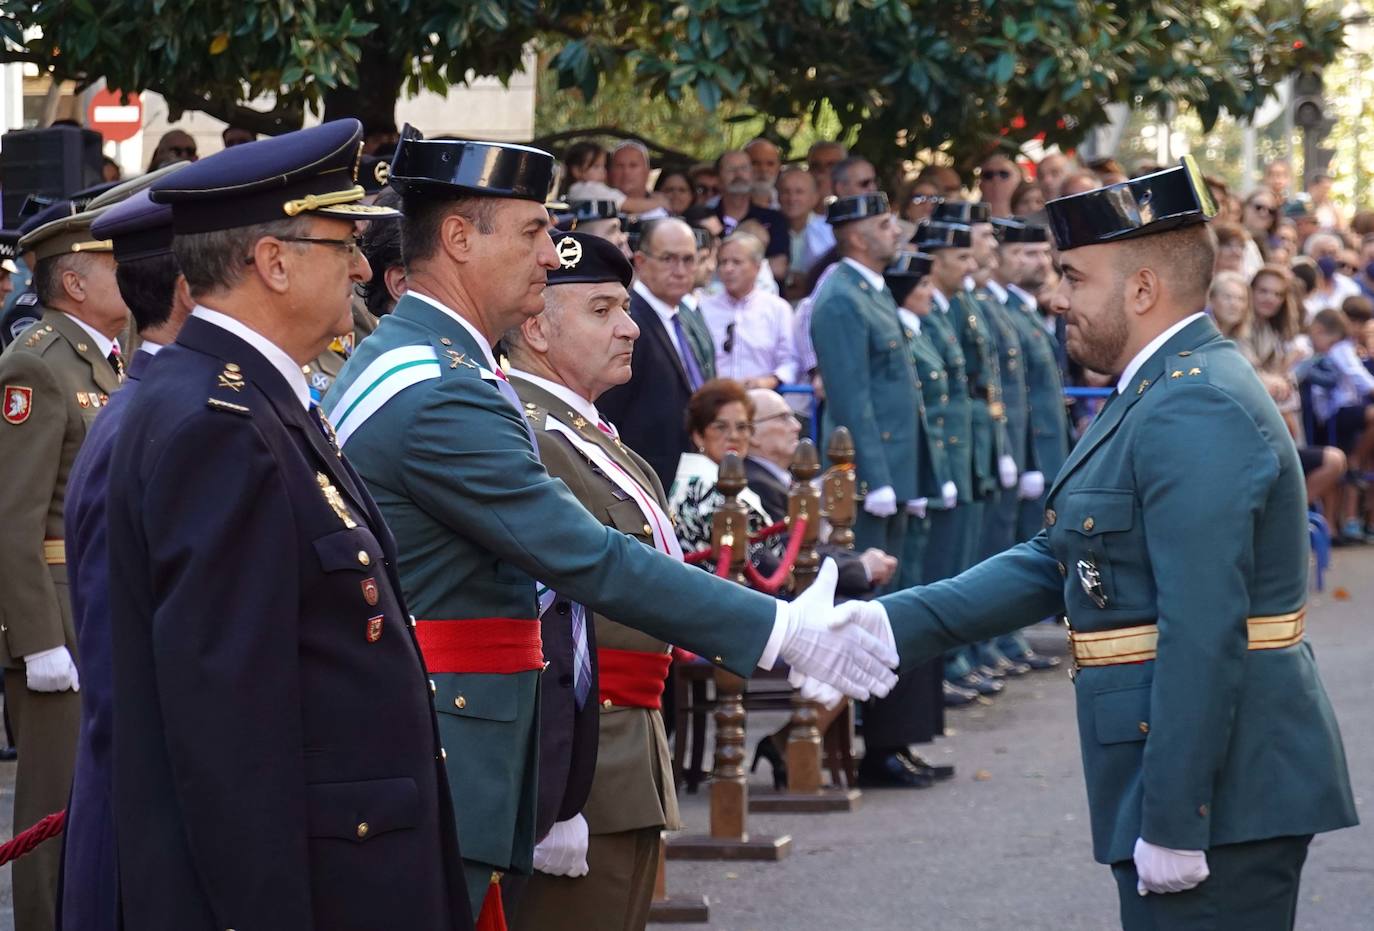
53,382
1183,505
451,463
967,318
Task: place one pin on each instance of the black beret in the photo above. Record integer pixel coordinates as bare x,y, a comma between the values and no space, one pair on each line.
465,168
310,171
856,207
931,236
905,273
139,228
587,259
1020,230
962,211
1153,203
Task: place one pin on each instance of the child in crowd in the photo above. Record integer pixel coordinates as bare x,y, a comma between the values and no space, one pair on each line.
584,166
1343,402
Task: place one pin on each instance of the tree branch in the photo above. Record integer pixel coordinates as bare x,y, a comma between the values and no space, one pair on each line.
283,119
665,154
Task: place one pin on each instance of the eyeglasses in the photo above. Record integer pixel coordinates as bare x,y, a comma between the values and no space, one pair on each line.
349,245
1264,208
726,428
182,151
788,415
1001,174
667,258
707,190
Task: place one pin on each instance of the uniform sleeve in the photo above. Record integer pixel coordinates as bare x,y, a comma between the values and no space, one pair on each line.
841,343
224,562
1016,587
469,464
1201,463
30,458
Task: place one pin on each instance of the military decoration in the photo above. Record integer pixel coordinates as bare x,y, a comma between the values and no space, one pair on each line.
374,628
569,252
83,399
231,377
1090,577
17,404
335,500
370,592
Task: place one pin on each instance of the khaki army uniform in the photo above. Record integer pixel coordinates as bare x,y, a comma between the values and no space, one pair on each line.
53,382
320,374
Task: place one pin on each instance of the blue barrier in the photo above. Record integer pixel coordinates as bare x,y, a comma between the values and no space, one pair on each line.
1075,392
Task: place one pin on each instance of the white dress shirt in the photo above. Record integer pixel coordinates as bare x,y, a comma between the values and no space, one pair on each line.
1128,373
941,302
565,394
269,350
873,278
763,341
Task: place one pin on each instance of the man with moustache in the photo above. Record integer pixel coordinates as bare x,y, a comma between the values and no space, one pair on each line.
737,205
1210,750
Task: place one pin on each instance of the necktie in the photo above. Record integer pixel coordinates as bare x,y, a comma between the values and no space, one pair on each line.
606,429
689,360
582,660
116,361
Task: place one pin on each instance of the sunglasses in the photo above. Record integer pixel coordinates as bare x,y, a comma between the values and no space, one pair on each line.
728,346
1001,174
707,190
927,199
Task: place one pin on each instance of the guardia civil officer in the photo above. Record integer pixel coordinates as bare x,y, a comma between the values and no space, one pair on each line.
1176,541
488,539
276,759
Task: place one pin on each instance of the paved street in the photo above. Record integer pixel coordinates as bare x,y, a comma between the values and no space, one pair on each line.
1009,849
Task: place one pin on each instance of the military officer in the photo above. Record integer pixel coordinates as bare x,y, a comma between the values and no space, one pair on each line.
564,358
597,218
276,757
439,435
54,380
1176,541
871,387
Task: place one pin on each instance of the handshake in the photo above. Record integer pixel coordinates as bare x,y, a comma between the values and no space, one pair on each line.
834,650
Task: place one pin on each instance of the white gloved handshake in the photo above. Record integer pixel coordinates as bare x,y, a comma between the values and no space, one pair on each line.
563,851
1162,870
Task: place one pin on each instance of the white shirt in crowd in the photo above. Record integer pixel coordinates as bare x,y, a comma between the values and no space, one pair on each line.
753,336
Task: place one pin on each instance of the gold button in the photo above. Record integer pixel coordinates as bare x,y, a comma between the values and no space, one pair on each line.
80,347
606,703
363,558
231,367
720,660
1088,523
887,435
1063,569
445,341
648,531
1050,517
460,702
1202,811
305,370
1144,727
362,829
954,441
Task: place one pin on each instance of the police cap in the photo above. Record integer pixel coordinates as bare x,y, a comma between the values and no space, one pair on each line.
856,207
965,212
932,236
1020,230
1153,203
456,168
905,273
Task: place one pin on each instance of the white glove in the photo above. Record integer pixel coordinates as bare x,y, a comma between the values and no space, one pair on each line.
1006,471
1163,870
563,852
917,507
881,502
51,671
819,642
867,616
1032,485
949,495
815,690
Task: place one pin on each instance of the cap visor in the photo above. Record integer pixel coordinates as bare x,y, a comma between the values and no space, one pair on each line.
354,211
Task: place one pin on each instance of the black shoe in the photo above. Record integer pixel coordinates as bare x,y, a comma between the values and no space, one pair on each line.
956,697
1011,667
980,684
768,750
1039,661
891,771
936,770
8,754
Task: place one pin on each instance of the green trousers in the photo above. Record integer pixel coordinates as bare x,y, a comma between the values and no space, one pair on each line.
1252,887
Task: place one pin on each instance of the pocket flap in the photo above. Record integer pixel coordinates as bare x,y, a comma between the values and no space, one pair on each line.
1091,512
626,517
489,697
354,548
1122,715
360,811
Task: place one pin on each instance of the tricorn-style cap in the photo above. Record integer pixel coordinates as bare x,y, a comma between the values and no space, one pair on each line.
931,236
905,273
856,207
586,211
1020,230
139,228
465,168
1153,203
586,259
966,212
311,171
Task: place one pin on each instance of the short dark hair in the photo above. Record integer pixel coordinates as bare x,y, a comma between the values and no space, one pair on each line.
215,261
1358,308
1332,321
148,285
381,245
424,216
841,169
706,403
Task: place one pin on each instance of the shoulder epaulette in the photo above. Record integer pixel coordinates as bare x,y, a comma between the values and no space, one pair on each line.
1186,368
39,337
228,384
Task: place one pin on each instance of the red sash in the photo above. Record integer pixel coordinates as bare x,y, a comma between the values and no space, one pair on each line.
483,644
630,678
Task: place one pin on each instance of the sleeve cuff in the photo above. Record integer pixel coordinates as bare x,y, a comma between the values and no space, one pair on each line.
773,647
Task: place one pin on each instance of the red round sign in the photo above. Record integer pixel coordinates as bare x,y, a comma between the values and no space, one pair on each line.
115,119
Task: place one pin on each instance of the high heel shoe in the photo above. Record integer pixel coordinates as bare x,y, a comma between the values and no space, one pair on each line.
768,750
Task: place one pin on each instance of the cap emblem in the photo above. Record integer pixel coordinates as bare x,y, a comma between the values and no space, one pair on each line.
569,252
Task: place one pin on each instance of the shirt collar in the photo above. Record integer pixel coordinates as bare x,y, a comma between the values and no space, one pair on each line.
910,319
969,284
102,342
563,393
873,278
1028,298
660,306
150,347
940,300
269,350
1128,373
475,333
998,291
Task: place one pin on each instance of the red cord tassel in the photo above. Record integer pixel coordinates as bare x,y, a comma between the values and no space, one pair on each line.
493,916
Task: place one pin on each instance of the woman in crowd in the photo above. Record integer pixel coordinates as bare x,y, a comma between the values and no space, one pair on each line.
1231,241
1260,216
676,188
920,199
1274,345
1228,300
1028,199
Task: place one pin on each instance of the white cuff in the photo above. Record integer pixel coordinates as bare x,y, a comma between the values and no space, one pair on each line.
773,647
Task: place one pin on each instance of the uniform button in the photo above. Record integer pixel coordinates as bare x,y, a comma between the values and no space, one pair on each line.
362,829
433,689
460,702
606,703
648,531
720,660
887,435
954,441
939,421
1063,569
363,558
944,399
892,344
1202,811
1144,727
1088,523
1050,517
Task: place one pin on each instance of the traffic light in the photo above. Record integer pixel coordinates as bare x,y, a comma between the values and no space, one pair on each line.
1309,107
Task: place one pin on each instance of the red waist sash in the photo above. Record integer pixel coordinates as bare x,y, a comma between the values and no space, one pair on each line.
482,644
630,678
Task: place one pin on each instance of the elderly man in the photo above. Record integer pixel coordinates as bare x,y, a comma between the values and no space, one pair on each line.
751,330
627,171
53,382
670,363
603,768
276,756
437,431
737,205
1210,750
766,158
809,236
821,160
998,176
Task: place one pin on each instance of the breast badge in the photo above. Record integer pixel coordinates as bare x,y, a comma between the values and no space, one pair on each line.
370,593
335,500
1090,577
374,628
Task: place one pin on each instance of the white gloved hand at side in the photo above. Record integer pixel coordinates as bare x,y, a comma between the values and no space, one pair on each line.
51,671
821,643
1006,471
949,495
1162,870
917,507
563,852
1032,485
881,502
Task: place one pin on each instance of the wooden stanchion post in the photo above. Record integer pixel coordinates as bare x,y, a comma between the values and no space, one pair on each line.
675,909
729,838
804,792
839,497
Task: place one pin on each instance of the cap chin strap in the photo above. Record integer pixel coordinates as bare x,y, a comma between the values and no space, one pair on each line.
316,201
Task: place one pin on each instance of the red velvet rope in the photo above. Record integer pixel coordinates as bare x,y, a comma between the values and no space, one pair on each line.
26,841
702,555
769,585
723,561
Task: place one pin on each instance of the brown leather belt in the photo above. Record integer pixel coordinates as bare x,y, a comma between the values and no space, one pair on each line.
1140,644
55,552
